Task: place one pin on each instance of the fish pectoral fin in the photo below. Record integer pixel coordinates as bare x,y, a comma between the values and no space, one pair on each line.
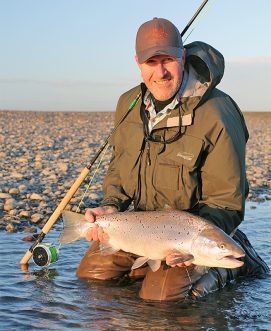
154,264
175,258
106,248
139,262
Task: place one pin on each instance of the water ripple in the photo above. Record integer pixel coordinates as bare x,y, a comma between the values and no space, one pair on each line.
54,299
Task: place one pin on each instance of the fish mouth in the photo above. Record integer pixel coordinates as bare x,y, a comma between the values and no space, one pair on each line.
233,260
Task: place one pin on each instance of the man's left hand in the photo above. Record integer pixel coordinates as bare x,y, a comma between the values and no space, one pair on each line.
174,257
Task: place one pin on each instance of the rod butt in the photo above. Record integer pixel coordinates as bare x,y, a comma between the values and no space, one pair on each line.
26,258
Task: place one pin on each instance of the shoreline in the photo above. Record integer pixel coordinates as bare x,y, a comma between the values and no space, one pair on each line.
42,153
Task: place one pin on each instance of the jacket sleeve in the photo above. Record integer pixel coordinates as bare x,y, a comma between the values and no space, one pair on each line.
114,193
223,176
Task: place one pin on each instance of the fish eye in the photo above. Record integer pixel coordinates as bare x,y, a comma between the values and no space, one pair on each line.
222,246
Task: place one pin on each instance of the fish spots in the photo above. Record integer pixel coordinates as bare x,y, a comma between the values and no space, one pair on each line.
142,224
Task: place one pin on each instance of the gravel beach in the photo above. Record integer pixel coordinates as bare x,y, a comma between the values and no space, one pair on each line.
42,153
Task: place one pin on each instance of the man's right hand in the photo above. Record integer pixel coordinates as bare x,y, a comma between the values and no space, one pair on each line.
97,233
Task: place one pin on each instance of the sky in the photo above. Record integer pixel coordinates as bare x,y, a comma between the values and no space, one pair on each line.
78,55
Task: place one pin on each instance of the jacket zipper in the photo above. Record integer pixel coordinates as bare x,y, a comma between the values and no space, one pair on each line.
148,152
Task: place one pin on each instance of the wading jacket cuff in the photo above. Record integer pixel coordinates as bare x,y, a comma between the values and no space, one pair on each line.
121,206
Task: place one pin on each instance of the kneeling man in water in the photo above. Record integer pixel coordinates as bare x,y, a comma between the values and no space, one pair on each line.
181,146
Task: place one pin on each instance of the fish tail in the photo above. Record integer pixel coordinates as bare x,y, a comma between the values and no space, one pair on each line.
73,227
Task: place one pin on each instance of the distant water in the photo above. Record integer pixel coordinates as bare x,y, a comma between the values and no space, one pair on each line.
54,299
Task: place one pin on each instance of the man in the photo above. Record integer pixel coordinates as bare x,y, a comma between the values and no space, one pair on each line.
182,146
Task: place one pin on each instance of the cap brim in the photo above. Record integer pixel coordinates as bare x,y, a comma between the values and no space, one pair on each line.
151,52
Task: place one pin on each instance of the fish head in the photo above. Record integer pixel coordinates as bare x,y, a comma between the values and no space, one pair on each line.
214,248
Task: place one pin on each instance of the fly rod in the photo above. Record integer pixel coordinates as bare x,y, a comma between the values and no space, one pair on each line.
194,17
73,189
53,218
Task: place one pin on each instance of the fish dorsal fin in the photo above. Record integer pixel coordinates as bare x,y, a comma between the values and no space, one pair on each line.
106,248
154,264
175,258
139,262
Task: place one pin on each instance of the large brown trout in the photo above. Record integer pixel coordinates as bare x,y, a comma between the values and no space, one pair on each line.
153,235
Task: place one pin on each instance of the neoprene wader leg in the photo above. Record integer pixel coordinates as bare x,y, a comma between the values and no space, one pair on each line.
169,284
96,266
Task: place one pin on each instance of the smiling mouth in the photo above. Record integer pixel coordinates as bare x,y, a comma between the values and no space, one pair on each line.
163,82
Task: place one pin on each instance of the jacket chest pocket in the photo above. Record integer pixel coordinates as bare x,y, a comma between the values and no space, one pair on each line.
177,167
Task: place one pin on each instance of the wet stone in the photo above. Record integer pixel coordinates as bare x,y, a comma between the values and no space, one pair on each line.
13,212
35,196
10,227
10,204
24,213
31,230
28,238
14,191
35,218
4,195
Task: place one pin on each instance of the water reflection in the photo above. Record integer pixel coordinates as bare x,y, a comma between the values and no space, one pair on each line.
54,299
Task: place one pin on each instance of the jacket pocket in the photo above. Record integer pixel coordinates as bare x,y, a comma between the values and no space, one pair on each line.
167,176
178,171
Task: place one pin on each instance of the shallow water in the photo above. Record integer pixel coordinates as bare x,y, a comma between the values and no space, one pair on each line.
54,299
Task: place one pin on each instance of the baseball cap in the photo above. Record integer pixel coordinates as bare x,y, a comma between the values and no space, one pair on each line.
158,37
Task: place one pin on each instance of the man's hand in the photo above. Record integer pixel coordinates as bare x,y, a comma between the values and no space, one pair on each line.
172,260
97,233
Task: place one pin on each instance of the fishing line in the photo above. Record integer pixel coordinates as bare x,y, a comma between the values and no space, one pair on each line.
89,184
200,18
191,284
92,178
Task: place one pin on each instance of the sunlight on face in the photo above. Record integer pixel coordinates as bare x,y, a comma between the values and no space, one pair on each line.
162,75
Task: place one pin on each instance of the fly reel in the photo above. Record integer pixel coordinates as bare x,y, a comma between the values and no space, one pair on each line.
44,255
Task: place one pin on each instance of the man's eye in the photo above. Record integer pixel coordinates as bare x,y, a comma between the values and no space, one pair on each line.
168,59
150,62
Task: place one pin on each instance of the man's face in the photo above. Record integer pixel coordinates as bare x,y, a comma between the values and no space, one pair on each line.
162,75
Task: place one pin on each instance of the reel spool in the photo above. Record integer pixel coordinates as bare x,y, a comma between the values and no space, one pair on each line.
44,255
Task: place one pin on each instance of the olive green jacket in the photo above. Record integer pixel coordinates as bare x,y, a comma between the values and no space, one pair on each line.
203,171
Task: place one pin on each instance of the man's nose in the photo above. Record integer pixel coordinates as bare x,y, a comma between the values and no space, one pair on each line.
161,70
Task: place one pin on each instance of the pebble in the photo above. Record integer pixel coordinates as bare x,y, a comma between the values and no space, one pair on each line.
33,230
10,227
28,238
10,204
38,165
14,191
48,154
24,213
35,218
35,196
63,167
5,196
